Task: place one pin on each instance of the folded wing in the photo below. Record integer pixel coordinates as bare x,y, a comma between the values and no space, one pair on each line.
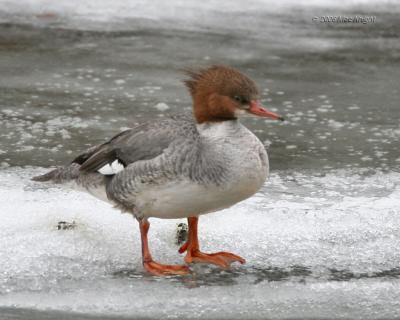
143,142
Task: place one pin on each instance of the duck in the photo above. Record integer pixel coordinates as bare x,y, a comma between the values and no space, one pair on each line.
182,166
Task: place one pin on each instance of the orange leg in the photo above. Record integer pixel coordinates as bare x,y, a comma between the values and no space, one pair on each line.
149,264
222,259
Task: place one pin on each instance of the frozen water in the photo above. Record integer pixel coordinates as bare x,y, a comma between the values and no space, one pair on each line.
182,15
336,84
316,244
320,239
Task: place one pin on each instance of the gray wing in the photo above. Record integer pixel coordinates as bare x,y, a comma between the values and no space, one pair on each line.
143,142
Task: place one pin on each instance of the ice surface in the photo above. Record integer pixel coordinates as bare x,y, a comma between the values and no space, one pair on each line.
316,244
180,13
121,61
319,243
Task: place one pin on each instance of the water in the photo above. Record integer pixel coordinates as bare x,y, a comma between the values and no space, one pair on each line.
320,239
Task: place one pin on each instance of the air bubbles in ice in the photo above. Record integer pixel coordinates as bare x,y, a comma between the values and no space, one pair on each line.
120,81
161,106
325,108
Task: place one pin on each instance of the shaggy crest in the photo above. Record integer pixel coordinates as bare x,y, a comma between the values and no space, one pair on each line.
220,78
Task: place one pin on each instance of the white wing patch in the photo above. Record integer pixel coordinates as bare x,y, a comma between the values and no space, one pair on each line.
112,168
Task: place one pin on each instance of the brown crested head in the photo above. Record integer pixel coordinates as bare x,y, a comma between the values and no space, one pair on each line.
223,93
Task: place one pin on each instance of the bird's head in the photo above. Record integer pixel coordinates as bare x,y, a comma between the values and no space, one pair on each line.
223,93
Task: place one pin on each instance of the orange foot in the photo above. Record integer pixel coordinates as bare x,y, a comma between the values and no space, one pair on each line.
159,269
221,259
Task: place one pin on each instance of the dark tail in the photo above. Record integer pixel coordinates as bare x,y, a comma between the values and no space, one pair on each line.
69,172
47,176
60,175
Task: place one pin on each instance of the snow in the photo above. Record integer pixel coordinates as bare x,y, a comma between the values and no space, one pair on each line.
302,236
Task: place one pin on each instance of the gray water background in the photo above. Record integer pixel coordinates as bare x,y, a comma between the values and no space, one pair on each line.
66,86
70,81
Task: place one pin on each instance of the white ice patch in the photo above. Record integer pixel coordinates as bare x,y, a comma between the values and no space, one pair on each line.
339,222
161,106
112,168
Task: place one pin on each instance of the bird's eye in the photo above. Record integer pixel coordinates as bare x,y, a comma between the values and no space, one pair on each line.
238,98
241,99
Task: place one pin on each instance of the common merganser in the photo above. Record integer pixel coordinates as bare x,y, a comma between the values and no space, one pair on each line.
182,166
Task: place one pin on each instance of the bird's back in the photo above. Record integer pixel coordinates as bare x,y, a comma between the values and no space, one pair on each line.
147,150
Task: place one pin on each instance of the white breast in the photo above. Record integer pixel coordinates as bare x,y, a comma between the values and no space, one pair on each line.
248,169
